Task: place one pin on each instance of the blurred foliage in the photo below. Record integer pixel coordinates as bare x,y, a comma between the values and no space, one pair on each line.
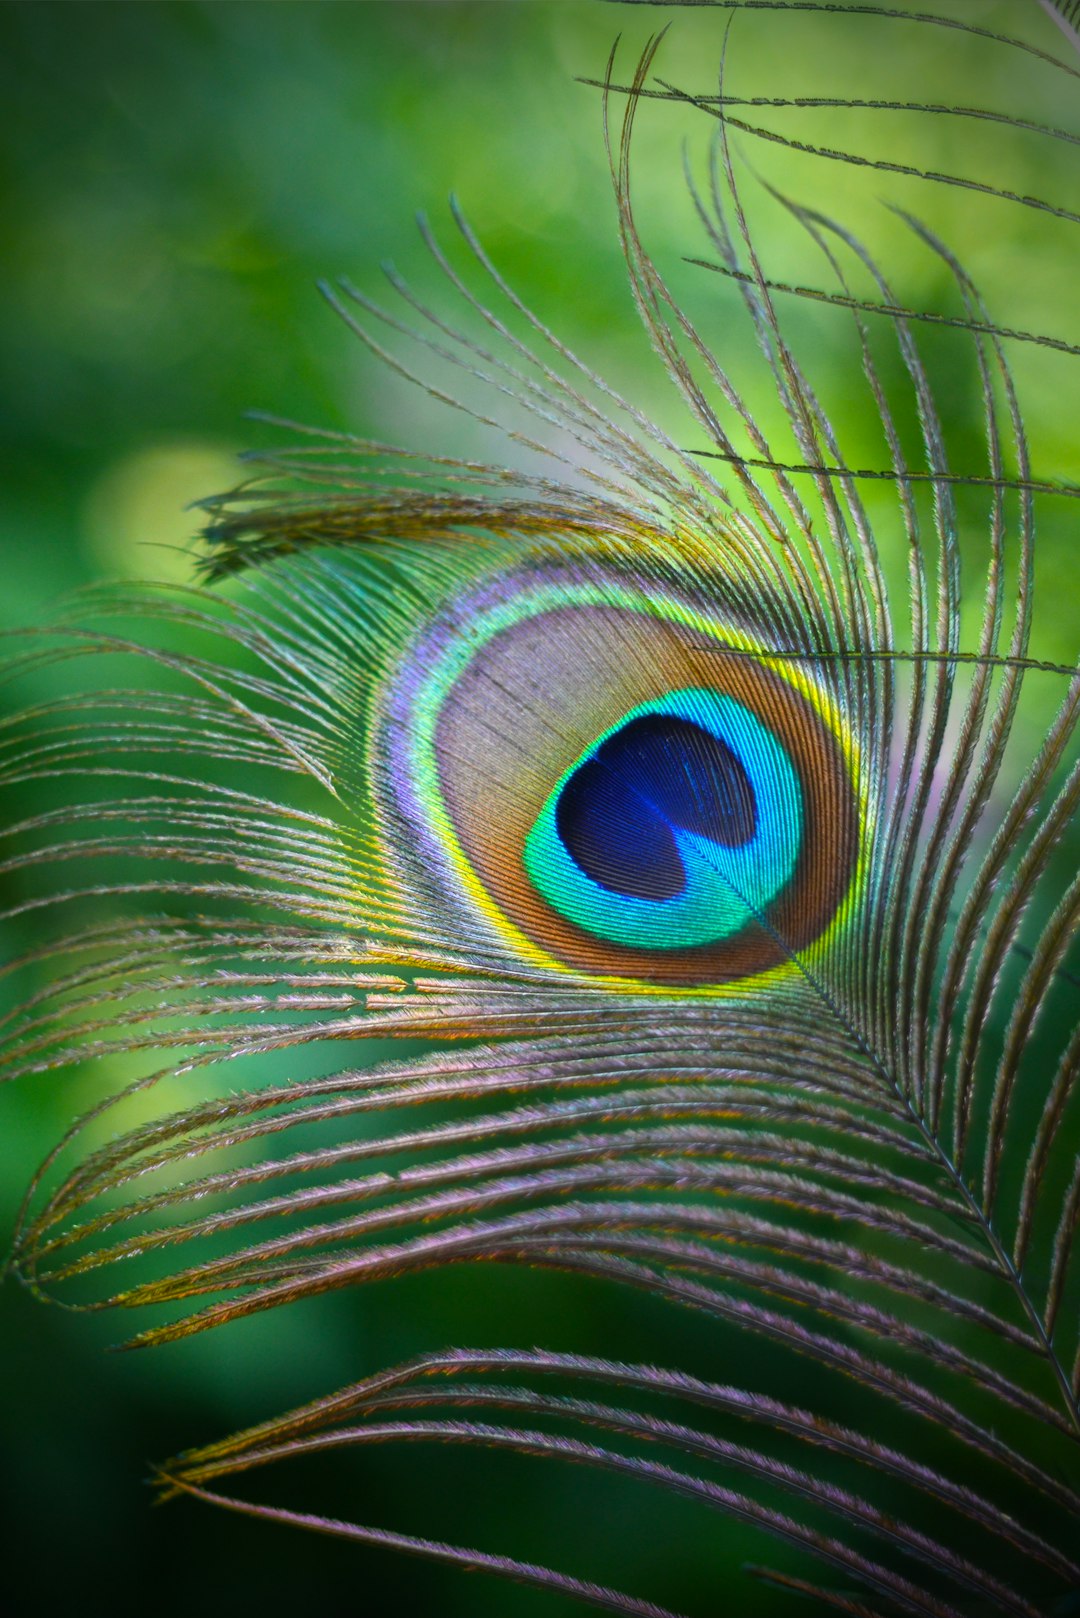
175,179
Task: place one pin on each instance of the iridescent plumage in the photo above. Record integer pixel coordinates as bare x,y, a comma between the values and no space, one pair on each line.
691,801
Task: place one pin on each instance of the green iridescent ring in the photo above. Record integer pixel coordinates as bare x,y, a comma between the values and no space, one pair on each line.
610,783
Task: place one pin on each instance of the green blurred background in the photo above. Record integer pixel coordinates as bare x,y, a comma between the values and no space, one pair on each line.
175,179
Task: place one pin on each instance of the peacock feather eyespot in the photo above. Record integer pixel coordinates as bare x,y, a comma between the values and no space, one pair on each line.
624,785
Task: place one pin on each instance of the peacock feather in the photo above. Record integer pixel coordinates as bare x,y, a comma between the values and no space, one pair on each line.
639,867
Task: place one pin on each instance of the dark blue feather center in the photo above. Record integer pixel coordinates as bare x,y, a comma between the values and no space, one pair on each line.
618,813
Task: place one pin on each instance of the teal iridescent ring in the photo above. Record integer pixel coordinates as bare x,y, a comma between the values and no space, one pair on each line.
689,796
